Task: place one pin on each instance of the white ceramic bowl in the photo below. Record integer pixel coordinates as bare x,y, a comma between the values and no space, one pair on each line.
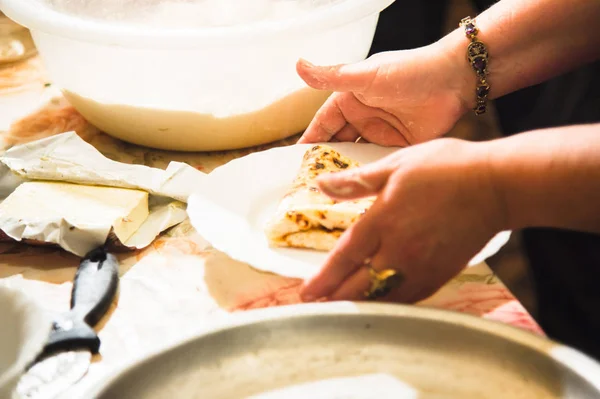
195,75
24,329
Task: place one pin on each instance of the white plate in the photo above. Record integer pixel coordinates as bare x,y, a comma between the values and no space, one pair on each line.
234,202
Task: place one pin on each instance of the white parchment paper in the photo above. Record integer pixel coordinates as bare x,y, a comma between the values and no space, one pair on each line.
233,203
68,158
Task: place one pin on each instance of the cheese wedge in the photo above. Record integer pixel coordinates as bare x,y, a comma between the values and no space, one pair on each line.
82,206
307,218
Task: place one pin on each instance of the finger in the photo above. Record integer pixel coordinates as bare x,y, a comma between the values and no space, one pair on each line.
343,109
356,245
358,182
348,133
341,78
354,287
372,123
380,131
389,259
327,122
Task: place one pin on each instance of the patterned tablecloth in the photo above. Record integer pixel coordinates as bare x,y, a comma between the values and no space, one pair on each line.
179,284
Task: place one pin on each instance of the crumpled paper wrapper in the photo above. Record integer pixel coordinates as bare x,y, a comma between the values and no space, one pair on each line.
68,158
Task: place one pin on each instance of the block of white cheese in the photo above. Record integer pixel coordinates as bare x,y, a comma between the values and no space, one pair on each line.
83,207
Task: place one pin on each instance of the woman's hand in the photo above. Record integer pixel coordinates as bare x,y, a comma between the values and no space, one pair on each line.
395,99
436,208
408,97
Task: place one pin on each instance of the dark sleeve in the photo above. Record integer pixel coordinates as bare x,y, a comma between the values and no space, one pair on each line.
408,24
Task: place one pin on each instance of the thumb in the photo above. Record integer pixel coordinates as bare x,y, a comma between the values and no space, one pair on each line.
345,77
356,183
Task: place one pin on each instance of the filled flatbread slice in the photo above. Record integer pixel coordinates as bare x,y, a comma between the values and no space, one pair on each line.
307,218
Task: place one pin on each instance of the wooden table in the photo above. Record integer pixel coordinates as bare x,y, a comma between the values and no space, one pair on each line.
179,284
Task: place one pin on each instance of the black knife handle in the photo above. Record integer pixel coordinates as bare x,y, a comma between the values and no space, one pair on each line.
67,335
94,287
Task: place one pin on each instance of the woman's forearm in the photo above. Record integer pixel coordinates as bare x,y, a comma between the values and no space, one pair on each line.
549,178
529,41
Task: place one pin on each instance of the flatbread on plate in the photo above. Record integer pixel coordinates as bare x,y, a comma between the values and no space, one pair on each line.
307,218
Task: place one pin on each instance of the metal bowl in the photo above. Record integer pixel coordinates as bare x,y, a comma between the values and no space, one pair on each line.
350,350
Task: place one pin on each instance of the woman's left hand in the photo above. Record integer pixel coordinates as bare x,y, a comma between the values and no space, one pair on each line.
436,208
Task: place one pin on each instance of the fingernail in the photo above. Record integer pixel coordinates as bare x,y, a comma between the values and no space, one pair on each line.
306,64
344,183
341,188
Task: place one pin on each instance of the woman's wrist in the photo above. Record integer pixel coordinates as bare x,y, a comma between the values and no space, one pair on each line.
483,168
461,80
527,44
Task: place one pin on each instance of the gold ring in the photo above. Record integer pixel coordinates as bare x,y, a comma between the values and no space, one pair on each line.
382,282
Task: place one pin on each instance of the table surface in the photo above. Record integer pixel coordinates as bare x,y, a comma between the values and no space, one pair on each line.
179,284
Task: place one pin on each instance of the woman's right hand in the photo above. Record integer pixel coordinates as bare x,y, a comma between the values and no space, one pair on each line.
395,98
